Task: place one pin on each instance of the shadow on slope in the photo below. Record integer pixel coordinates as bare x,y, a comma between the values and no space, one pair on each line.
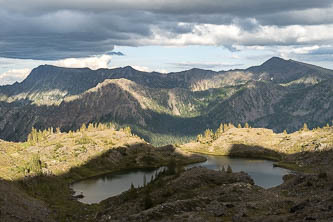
54,190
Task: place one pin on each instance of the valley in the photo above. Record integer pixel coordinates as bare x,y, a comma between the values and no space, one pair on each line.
37,176
166,111
64,126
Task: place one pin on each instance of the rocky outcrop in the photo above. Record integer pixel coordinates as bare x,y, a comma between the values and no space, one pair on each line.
199,194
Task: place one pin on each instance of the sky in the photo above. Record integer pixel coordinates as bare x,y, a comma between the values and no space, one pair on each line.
161,35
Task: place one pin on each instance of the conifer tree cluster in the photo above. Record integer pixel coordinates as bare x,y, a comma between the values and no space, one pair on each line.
36,136
209,136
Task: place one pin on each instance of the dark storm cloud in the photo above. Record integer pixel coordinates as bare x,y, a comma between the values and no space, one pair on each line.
306,17
51,30
115,53
235,7
64,34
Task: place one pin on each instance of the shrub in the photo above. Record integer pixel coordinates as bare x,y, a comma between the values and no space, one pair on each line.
58,146
83,140
128,130
35,165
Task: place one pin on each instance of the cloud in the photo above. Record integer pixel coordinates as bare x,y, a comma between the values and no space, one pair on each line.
54,30
141,68
116,53
205,65
232,36
13,75
96,62
313,53
171,6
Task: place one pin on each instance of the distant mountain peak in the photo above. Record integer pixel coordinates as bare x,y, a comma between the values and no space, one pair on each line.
275,60
53,67
129,68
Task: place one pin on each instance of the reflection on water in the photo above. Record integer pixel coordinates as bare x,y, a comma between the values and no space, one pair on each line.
262,171
102,187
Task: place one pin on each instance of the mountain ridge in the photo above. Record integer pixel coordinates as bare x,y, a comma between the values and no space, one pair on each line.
174,105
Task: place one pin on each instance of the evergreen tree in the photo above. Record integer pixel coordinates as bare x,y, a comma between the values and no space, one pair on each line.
199,138
35,136
230,125
229,170
144,180
225,127
58,130
219,132
83,127
91,127
208,135
305,127
128,130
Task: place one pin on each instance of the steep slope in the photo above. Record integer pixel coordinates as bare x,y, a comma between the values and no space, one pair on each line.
255,100
106,99
312,105
49,85
118,100
275,107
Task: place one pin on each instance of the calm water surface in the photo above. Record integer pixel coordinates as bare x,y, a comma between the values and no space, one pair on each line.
262,171
100,188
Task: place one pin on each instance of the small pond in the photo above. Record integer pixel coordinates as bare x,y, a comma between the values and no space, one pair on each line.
96,189
262,171
102,187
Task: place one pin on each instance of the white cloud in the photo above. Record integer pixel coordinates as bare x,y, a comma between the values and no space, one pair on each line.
95,62
233,35
148,69
81,28
299,50
205,65
164,71
13,75
141,68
